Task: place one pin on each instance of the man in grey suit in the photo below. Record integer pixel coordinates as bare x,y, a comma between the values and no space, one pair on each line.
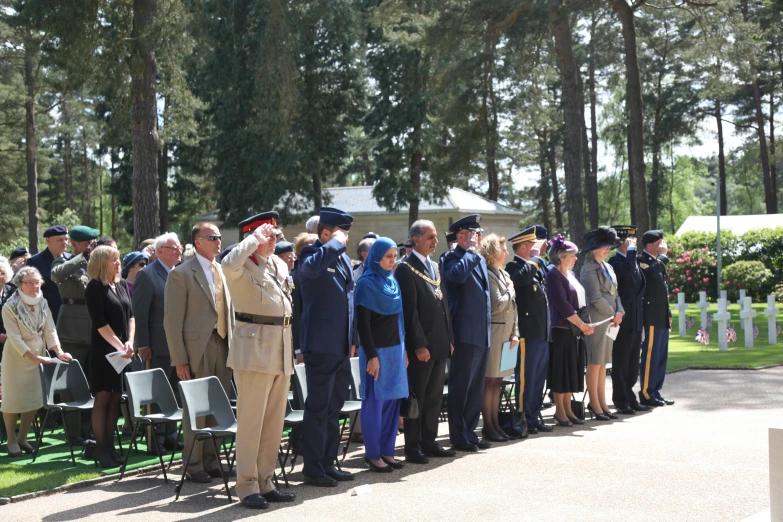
198,320
149,289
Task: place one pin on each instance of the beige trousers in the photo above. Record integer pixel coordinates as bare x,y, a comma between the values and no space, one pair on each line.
261,405
213,363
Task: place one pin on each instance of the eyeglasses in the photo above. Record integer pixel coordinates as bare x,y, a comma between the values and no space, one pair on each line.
34,282
214,237
142,264
178,248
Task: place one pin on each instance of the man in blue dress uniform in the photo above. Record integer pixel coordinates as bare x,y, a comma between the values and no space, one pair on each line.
527,272
327,335
657,322
464,273
56,238
625,350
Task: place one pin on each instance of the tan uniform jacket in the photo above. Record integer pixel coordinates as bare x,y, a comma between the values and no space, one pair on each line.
190,315
262,289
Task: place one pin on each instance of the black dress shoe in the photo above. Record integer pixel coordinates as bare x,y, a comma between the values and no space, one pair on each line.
26,447
395,464
215,473
469,448
667,402
483,444
541,427
324,481
255,501
652,403
611,415
171,445
640,407
416,457
278,496
439,451
626,410
77,441
336,474
199,477
376,468
15,454
532,429
494,438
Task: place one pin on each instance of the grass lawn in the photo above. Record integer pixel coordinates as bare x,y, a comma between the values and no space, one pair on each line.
53,466
686,352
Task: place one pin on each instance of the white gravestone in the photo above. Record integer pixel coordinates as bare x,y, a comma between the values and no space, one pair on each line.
741,302
771,312
747,314
722,318
703,305
681,307
724,294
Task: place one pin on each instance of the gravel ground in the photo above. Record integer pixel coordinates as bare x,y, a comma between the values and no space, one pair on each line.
705,458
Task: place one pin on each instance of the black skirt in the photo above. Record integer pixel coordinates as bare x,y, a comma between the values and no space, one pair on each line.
567,360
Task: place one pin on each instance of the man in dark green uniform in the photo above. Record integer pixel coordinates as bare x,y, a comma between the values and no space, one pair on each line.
73,321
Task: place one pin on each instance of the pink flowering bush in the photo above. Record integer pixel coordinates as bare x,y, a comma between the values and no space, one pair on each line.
691,271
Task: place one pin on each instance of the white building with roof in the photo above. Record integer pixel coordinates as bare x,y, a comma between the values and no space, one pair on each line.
736,224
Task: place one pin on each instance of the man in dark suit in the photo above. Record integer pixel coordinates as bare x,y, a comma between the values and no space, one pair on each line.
327,336
625,351
149,290
464,272
428,340
527,272
657,322
56,238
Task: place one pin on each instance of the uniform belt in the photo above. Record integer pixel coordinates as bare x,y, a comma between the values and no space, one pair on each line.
497,323
75,301
263,319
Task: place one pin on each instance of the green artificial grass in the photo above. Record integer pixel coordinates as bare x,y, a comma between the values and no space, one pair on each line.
687,352
54,468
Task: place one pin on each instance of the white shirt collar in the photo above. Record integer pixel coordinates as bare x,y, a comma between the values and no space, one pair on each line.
423,259
621,253
205,263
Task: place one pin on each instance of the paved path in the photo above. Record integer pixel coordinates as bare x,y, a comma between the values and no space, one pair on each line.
703,459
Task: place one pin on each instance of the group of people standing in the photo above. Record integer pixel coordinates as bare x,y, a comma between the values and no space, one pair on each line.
255,309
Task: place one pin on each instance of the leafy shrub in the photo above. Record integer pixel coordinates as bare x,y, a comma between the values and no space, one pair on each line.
692,271
753,276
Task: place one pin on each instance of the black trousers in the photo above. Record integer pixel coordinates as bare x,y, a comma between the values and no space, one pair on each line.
328,381
467,376
426,381
625,366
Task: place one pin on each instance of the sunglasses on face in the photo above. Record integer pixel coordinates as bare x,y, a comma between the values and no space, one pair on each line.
214,237
142,264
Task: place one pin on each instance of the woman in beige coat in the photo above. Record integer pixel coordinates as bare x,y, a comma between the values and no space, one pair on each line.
504,329
30,329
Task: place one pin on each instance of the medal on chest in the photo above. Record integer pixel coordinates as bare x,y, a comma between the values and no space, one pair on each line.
535,288
439,294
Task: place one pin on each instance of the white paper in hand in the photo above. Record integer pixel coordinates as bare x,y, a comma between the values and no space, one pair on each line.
612,332
117,361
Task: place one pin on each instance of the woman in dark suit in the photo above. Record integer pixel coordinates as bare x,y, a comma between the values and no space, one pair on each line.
603,302
109,304
567,359
382,353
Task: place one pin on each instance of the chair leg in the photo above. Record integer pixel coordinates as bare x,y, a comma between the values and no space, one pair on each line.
40,436
296,451
229,460
282,466
174,451
350,434
160,456
220,467
119,436
178,489
67,436
127,455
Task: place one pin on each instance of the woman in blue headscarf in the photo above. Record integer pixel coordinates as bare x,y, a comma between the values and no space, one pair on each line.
382,353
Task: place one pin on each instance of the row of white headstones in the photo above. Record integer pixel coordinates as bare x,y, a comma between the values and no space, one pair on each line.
722,317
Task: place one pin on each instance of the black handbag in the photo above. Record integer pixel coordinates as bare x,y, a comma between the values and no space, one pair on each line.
578,407
409,406
582,313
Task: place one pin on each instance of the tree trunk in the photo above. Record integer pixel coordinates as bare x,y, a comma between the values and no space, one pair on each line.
163,188
87,211
633,93
593,117
543,185
555,189
721,160
67,162
770,198
655,183
366,170
31,146
591,174
113,197
773,168
318,197
490,130
573,112
100,200
415,179
144,114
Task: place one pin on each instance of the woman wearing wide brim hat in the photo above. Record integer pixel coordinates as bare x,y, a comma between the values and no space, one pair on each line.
603,302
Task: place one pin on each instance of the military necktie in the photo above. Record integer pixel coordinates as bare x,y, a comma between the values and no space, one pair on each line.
220,302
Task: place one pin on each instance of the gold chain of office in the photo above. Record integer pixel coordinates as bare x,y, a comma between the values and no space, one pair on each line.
430,280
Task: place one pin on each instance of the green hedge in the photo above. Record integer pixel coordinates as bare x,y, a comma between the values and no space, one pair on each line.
753,276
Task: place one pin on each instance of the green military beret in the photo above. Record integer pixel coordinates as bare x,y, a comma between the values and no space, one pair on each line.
82,233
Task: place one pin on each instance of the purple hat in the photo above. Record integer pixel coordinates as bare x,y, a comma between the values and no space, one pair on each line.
559,243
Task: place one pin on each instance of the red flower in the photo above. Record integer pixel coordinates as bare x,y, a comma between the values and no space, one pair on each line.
676,290
687,272
690,279
706,279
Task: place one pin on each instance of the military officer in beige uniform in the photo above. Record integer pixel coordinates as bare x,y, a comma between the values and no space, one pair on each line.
261,356
73,320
